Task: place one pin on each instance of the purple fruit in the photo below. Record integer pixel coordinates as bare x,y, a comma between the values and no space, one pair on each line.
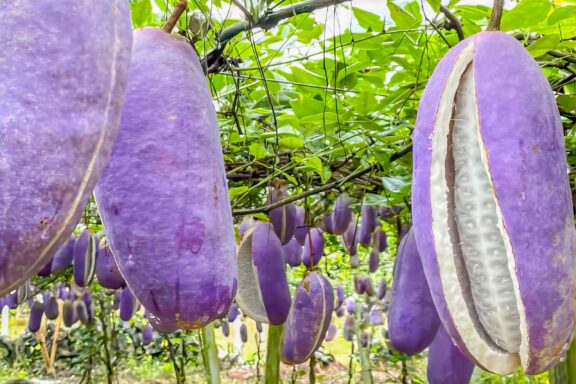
339,295
349,328
293,253
340,311
313,248
263,292
51,309
341,215
107,270
225,328
259,327
81,311
46,269
374,261
127,304
350,305
309,319
412,319
35,319
327,223
12,300
161,326
147,334
283,221
446,364
243,333
363,284
493,215
331,333
68,313
379,240
350,238
62,86
85,250
163,197
233,312
375,317
354,261
301,230
381,289
367,225
63,257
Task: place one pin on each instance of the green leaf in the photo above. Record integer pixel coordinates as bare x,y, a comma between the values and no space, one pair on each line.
236,192
435,4
257,150
394,183
293,142
562,13
315,164
543,45
526,14
368,20
141,11
402,19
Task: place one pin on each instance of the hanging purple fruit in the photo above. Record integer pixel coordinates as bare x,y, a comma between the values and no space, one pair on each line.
331,333
35,319
446,364
263,292
293,252
233,312
243,333
341,215
492,206
51,308
412,318
163,197
225,328
367,225
107,270
282,218
301,230
62,87
81,311
379,240
127,304
85,250
309,319
339,295
159,325
313,248
350,238
63,257
46,269
68,313
147,334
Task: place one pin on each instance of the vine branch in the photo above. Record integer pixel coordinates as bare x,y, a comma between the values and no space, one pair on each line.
496,17
173,19
268,21
326,187
454,22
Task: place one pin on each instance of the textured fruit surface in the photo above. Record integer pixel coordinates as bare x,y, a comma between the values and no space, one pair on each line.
107,270
308,320
85,249
63,257
127,304
166,173
51,309
68,314
341,215
35,319
62,85
313,248
283,218
412,319
492,207
147,334
446,364
293,252
263,292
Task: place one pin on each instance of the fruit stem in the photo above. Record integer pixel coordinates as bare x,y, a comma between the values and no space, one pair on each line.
496,17
173,19
272,369
211,354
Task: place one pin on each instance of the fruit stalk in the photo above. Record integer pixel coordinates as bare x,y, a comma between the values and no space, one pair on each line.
272,370
211,354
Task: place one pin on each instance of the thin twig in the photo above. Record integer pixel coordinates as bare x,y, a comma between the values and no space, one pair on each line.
173,19
323,188
243,9
454,22
496,17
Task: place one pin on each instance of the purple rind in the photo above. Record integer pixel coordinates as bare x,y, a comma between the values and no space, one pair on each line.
35,319
127,304
446,364
313,248
341,215
167,174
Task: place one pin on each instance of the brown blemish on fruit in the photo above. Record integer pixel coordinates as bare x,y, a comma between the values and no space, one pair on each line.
536,148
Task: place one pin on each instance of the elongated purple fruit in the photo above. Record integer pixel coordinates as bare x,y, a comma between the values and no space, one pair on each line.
127,304
349,328
62,87
293,253
350,305
412,319
339,295
35,319
259,327
243,333
46,269
147,334
180,259
283,218
309,318
301,230
233,312
51,309
373,261
225,328
85,249
381,289
331,332
367,225
263,292
375,317
341,215
446,364
81,311
340,311
107,270
12,300
313,248
63,257
350,238
379,240
492,206
68,313
327,224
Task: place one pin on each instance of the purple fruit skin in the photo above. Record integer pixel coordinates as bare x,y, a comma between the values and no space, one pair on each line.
127,304
161,326
446,364
339,295
284,221
63,257
233,312
380,239
331,333
62,85
68,314
359,284
12,300
340,311
247,223
243,333
147,334
185,252
81,311
46,269
301,230
327,223
375,317
313,248
350,238
341,215
269,263
412,319
225,328
35,319
51,309
293,253
107,271
309,319
84,258
350,305
381,289
374,261
367,225
517,113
